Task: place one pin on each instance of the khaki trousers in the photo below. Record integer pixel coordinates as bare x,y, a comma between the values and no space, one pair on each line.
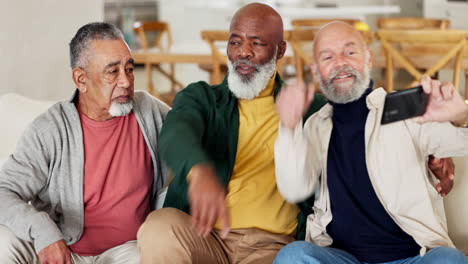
17,251
168,237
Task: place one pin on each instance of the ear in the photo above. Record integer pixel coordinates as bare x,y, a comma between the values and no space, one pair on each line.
80,78
281,50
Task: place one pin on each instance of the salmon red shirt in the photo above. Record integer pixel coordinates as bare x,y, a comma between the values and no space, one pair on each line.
118,176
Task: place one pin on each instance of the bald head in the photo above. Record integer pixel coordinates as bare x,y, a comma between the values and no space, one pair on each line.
255,44
337,29
262,16
341,62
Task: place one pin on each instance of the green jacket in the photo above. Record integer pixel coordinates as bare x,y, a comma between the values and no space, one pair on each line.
202,128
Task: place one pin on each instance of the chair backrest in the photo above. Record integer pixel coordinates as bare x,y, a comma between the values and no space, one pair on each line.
300,40
218,58
157,27
426,49
412,23
317,23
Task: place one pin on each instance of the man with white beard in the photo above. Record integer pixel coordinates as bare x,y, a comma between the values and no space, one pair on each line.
85,173
218,140
377,202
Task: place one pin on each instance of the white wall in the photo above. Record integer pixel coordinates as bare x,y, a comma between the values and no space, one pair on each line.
34,37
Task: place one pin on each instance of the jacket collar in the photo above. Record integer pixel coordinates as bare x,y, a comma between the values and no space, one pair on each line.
74,97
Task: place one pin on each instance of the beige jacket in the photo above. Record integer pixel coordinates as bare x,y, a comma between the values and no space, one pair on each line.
396,157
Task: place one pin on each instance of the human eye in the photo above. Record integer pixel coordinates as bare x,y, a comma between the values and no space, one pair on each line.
256,43
130,69
112,71
233,42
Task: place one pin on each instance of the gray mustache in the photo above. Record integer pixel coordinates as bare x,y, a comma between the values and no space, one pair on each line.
246,62
343,69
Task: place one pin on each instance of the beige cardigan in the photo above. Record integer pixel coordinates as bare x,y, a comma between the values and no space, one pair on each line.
396,157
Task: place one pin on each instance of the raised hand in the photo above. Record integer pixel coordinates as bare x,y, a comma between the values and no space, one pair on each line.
443,170
445,103
293,101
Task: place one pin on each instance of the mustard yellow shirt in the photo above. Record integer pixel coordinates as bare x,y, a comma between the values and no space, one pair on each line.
253,198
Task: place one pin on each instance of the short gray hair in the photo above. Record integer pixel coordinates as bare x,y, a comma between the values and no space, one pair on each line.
87,33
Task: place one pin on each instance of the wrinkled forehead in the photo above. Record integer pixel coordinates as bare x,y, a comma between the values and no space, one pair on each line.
335,38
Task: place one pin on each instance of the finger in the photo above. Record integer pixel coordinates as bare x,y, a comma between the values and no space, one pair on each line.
294,84
201,219
439,187
426,83
435,163
211,217
225,221
195,214
69,259
435,90
447,91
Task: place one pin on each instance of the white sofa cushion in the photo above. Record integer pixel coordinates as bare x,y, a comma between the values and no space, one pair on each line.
456,205
16,112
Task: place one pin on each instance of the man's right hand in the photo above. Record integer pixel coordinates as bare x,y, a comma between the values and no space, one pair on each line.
56,253
207,200
293,101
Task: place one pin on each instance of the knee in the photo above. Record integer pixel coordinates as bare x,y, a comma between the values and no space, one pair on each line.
446,255
161,221
296,252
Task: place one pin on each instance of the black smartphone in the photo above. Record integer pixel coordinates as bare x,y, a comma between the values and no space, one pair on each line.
404,104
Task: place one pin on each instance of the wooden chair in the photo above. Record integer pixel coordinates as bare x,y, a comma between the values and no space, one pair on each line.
300,40
218,58
160,29
317,23
424,49
401,23
212,37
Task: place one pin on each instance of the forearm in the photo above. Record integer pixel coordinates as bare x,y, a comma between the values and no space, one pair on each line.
26,222
295,176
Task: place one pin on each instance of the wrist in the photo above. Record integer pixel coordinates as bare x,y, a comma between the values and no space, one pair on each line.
462,121
198,171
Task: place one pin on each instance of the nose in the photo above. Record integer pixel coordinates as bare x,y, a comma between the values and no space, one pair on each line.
245,52
125,79
341,60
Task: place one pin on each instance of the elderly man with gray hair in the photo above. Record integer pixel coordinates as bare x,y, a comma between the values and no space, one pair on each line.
85,173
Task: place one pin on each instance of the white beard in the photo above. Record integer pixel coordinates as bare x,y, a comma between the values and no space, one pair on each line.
248,89
120,109
357,90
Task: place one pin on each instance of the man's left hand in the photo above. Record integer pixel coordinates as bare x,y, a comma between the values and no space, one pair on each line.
445,103
443,170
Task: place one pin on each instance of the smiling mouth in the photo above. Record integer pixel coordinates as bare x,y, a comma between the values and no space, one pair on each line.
245,69
342,77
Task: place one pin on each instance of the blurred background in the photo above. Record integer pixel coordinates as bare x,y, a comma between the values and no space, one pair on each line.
34,35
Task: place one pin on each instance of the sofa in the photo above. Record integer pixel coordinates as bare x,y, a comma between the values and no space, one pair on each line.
17,111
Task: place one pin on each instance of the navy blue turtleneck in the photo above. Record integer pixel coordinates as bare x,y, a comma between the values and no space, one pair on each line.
360,224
